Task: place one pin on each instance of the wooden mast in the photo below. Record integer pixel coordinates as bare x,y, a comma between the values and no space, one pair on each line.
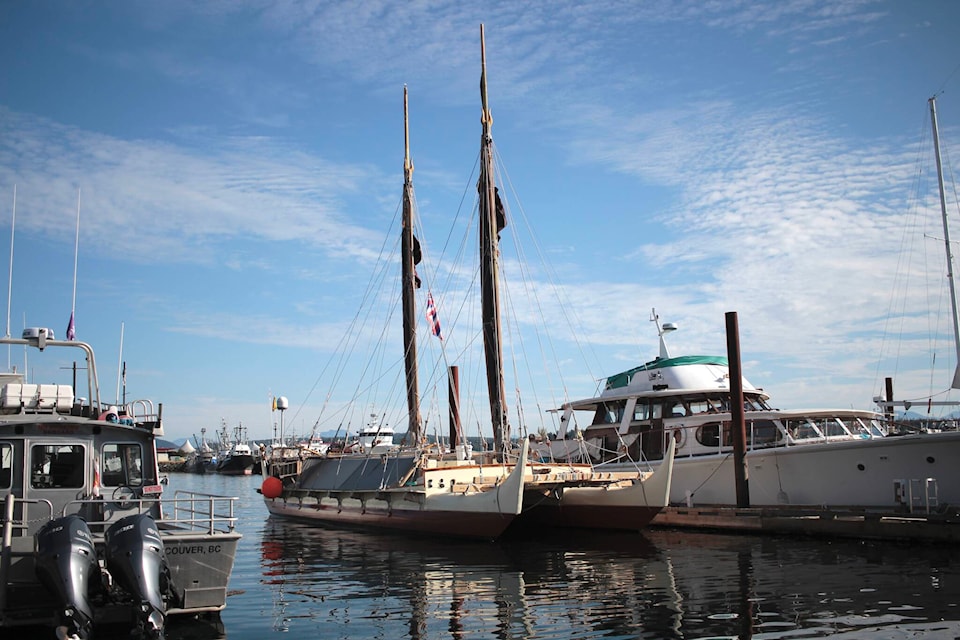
409,285
489,254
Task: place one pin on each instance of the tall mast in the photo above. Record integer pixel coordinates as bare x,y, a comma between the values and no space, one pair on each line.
409,284
946,240
489,253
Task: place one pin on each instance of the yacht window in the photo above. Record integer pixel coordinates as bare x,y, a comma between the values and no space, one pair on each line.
858,428
609,413
122,464
641,411
873,428
832,427
675,410
701,406
6,465
58,466
763,432
802,429
709,434
755,403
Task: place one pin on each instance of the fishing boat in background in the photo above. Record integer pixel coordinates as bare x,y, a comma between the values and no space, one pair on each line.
821,457
201,458
87,537
237,457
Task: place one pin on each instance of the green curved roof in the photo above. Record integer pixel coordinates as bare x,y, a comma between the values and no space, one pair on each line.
622,379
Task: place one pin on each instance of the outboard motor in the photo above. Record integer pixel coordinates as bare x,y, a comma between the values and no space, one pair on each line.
135,558
67,565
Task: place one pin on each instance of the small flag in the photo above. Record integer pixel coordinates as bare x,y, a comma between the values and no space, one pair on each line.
71,329
432,317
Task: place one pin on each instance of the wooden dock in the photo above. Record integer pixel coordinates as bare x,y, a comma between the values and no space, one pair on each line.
839,523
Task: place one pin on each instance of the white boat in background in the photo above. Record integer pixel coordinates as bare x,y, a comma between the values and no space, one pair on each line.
821,457
374,439
86,538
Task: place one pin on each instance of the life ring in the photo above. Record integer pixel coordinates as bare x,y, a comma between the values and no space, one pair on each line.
680,437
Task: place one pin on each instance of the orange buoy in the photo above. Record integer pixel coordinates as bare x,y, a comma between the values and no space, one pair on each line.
272,487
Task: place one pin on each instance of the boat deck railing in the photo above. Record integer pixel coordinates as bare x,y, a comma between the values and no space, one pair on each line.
202,511
186,511
9,522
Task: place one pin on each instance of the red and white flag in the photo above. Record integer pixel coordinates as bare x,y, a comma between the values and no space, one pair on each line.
432,317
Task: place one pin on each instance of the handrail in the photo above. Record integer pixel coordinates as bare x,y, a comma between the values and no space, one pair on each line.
191,510
8,519
213,516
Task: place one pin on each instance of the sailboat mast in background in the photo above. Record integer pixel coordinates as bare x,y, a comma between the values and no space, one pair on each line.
946,240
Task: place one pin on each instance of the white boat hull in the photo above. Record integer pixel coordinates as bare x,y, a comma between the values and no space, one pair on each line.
879,472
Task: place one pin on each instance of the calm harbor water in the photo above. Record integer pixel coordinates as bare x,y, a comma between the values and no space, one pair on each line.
314,582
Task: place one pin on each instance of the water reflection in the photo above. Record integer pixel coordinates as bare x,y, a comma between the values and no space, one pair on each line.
325,583
662,585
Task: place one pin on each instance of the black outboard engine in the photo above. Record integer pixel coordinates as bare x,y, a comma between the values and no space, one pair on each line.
67,566
136,560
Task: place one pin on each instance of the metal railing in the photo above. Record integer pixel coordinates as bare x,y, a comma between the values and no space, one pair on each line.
186,511
202,511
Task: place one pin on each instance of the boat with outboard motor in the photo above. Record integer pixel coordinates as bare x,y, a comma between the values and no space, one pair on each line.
822,457
87,537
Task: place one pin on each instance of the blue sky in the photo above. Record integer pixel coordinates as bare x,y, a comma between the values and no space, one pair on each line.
240,168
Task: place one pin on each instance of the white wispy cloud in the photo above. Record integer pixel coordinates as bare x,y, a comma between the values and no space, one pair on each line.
181,200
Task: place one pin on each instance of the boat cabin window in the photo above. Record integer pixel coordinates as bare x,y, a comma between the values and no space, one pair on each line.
122,464
6,465
755,403
871,427
57,466
675,410
641,411
706,405
709,434
832,427
865,429
802,429
609,413
762,433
